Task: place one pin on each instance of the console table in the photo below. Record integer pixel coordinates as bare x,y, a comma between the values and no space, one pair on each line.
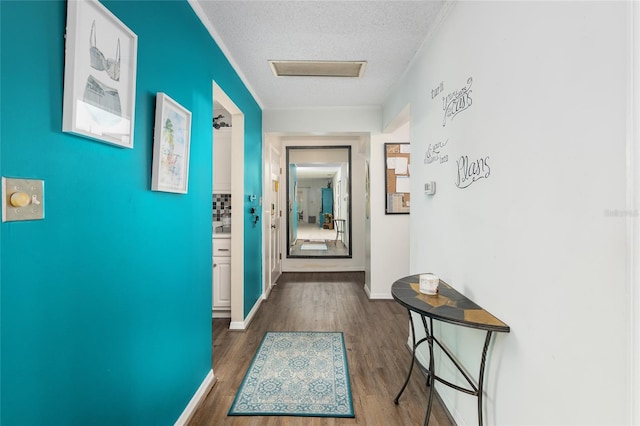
451,307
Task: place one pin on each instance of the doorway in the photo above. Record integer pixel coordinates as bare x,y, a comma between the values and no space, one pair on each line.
237,216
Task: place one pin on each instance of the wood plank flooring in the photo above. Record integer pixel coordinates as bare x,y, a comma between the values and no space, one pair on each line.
375,335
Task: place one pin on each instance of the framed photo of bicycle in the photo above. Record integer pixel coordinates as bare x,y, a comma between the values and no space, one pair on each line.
171,146
99,74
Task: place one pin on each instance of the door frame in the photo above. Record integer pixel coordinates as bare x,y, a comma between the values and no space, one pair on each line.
237,206
272,171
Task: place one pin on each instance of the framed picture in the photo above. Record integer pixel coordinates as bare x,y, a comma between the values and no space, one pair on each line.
99,75
171,140
397,179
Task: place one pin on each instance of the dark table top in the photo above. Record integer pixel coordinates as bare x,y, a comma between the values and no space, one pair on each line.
447,306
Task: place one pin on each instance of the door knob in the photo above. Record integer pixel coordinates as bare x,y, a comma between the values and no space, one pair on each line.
273,227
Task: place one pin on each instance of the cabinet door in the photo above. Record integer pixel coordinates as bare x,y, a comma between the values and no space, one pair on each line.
222,161
221,282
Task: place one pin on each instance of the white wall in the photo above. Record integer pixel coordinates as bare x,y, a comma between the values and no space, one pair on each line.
537,240
322,120
389,234
634,221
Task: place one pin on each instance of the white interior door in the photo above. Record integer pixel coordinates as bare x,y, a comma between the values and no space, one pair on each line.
276,216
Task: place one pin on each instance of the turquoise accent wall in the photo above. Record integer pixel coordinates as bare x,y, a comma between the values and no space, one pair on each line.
105,304
252,231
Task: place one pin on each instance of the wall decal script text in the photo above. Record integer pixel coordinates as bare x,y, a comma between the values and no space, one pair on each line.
456,102
439,89
472,171
433,153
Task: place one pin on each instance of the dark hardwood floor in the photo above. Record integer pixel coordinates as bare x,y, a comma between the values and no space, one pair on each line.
375,335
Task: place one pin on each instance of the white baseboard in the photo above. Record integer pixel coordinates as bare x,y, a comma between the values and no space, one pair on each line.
242,325
453,414
376,296
237,325
200,394
380,296
367,291
300,267
253,312
221,314
266,294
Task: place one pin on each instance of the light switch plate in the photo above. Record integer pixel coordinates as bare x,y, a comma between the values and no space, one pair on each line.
32,211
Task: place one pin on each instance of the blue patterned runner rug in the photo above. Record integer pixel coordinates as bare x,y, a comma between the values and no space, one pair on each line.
297,374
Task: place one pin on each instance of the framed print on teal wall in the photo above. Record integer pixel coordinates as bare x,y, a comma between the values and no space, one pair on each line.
99,74
171,143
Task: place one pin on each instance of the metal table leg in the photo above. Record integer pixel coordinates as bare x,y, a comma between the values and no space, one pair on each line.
474,390
432,374
481,375
413,358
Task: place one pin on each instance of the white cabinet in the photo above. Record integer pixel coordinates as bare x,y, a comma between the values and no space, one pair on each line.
222,282
222,160
221,277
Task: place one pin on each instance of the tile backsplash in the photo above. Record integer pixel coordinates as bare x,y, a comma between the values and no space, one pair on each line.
221,203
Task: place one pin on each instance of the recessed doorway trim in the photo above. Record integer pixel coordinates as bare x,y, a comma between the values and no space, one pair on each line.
237,207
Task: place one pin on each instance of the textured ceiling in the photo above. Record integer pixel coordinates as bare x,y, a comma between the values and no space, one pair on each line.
386,34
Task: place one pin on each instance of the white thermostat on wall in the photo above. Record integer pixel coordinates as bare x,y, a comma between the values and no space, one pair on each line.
430,188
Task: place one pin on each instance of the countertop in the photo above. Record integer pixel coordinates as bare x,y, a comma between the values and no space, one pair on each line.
218,232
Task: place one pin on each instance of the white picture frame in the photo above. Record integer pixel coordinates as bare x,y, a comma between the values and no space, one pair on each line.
99,75
171,146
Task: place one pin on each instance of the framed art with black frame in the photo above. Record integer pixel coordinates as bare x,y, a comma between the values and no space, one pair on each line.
397,180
